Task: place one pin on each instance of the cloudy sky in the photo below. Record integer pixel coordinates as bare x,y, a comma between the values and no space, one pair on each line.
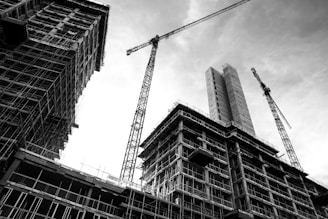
285,40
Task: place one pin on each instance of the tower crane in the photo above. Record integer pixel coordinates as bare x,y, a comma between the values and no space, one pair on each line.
131,152
281,128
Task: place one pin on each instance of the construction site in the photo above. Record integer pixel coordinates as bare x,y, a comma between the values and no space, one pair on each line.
193,166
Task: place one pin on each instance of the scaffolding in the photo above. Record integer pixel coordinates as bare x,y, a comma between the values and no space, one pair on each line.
36,106
43,75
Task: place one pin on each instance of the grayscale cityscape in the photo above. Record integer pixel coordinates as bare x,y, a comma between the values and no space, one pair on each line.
153,109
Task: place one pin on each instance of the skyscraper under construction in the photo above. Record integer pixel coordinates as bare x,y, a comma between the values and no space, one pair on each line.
226,98
193,166
49,50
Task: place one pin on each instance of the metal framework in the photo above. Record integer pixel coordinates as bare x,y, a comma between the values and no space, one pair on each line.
280,126
130,156
42,76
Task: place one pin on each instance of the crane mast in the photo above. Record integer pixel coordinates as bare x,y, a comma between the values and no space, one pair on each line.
280,126
131,152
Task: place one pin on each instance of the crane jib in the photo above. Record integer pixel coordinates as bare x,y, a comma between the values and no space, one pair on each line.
167,35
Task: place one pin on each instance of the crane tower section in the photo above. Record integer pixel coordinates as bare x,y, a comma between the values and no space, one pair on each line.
280,126
131,152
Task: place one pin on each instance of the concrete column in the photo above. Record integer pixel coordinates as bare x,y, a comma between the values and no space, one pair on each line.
248,201
180,151
268,185
204,145
180,128
156,170
307,192
290,194
230,174
207,180
88,196
180,139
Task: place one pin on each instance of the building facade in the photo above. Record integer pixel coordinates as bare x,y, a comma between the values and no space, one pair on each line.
226,98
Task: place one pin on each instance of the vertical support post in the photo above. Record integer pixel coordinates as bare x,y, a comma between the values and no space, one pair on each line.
268,185
88,197
180,151
248,201
8,173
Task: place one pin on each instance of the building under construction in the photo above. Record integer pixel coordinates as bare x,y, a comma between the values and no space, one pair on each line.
193,167
226,100
49,50
216,170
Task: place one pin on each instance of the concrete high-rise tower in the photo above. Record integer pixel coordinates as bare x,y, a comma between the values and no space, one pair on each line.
226,98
